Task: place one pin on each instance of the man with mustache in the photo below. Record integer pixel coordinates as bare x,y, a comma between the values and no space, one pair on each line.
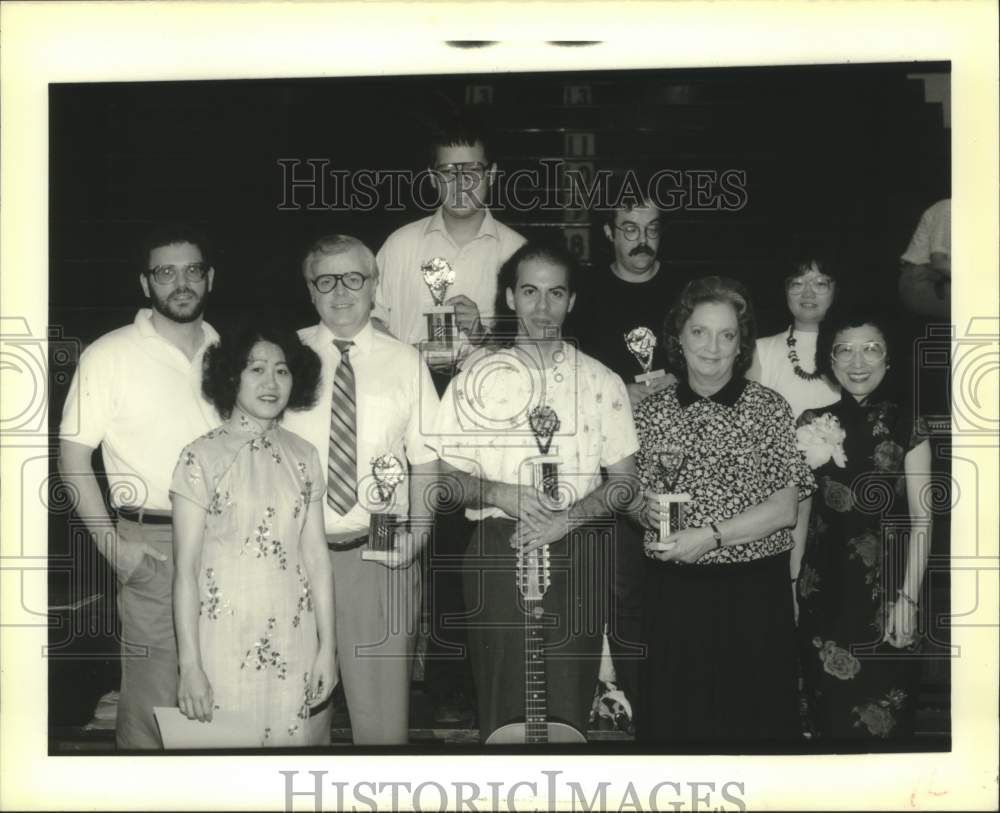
137,395
632,290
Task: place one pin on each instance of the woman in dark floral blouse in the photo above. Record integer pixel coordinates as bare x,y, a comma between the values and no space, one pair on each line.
718,618
865,557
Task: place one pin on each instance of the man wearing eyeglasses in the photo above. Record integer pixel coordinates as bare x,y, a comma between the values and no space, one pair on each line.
137,395
375,394
633,290
462,231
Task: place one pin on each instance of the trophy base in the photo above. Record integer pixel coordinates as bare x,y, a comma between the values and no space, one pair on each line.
545,479
439,354
675,519
650,377
381,543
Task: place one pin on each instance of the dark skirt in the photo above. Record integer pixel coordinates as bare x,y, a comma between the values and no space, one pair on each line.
721,665
572,625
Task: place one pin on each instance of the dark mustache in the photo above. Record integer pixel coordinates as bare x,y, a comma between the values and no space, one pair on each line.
642,248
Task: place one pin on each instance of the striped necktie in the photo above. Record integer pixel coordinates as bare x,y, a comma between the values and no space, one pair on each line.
342,467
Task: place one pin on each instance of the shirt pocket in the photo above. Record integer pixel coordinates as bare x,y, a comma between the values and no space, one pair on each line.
381,425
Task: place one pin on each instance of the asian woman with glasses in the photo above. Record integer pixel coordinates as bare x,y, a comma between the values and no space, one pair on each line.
860,583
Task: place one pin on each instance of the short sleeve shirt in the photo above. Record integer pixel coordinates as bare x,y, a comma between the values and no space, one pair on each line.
738,449
402,297
396,409
484,425
139,398
932,235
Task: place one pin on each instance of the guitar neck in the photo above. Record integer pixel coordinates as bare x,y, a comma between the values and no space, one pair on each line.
535,701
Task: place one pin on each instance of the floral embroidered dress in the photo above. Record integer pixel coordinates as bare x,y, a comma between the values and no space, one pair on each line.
856,686
257,629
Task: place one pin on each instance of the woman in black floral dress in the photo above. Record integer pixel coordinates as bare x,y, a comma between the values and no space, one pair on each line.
860,581
718,621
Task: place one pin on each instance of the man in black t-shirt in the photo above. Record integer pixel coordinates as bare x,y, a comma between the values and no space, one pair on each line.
631,291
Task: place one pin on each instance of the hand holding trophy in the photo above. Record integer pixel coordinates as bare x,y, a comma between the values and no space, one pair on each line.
670,506
388,473
442,327
641,342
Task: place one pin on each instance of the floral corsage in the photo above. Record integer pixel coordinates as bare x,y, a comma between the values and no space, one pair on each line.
821,439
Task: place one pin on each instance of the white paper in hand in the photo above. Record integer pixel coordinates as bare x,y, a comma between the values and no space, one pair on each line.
228,729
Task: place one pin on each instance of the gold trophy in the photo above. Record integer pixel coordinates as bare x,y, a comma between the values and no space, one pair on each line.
670,461
641,342
388,473
442,328
544,424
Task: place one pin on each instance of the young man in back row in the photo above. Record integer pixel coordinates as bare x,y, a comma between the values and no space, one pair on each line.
463,232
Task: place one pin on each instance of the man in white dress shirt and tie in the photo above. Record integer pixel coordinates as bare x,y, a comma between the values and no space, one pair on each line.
376,399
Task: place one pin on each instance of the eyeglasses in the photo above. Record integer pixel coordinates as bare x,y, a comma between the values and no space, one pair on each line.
632,231
871,352
820,286
165,274
451,171
352,280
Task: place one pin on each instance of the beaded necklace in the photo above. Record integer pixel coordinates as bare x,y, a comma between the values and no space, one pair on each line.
793,357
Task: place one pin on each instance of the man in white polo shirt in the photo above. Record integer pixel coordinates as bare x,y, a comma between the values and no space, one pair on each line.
375,395
137,396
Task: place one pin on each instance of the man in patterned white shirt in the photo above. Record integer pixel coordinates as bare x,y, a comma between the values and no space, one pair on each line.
489,446
379,410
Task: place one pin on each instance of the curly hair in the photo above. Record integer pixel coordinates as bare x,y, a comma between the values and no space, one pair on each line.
844,317
225,362
722,290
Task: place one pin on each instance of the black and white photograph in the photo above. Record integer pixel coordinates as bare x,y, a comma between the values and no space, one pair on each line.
489,419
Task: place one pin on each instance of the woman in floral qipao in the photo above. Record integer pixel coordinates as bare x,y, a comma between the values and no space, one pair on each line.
859,586
253,593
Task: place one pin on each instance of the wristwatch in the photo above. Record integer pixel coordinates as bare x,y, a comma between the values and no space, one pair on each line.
716,534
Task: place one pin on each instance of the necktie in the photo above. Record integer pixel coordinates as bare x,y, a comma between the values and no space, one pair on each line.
342,468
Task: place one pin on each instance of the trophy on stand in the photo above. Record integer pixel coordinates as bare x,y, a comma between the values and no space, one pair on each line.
669,462
641,342
388,473
544,424
442,329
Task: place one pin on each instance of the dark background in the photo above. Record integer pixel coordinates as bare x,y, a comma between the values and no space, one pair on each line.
851,155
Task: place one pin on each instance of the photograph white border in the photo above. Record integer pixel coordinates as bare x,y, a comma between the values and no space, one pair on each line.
98,42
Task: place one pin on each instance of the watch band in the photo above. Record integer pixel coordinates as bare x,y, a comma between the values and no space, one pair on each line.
717,534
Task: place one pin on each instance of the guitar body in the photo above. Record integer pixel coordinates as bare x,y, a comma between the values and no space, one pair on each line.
518,734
